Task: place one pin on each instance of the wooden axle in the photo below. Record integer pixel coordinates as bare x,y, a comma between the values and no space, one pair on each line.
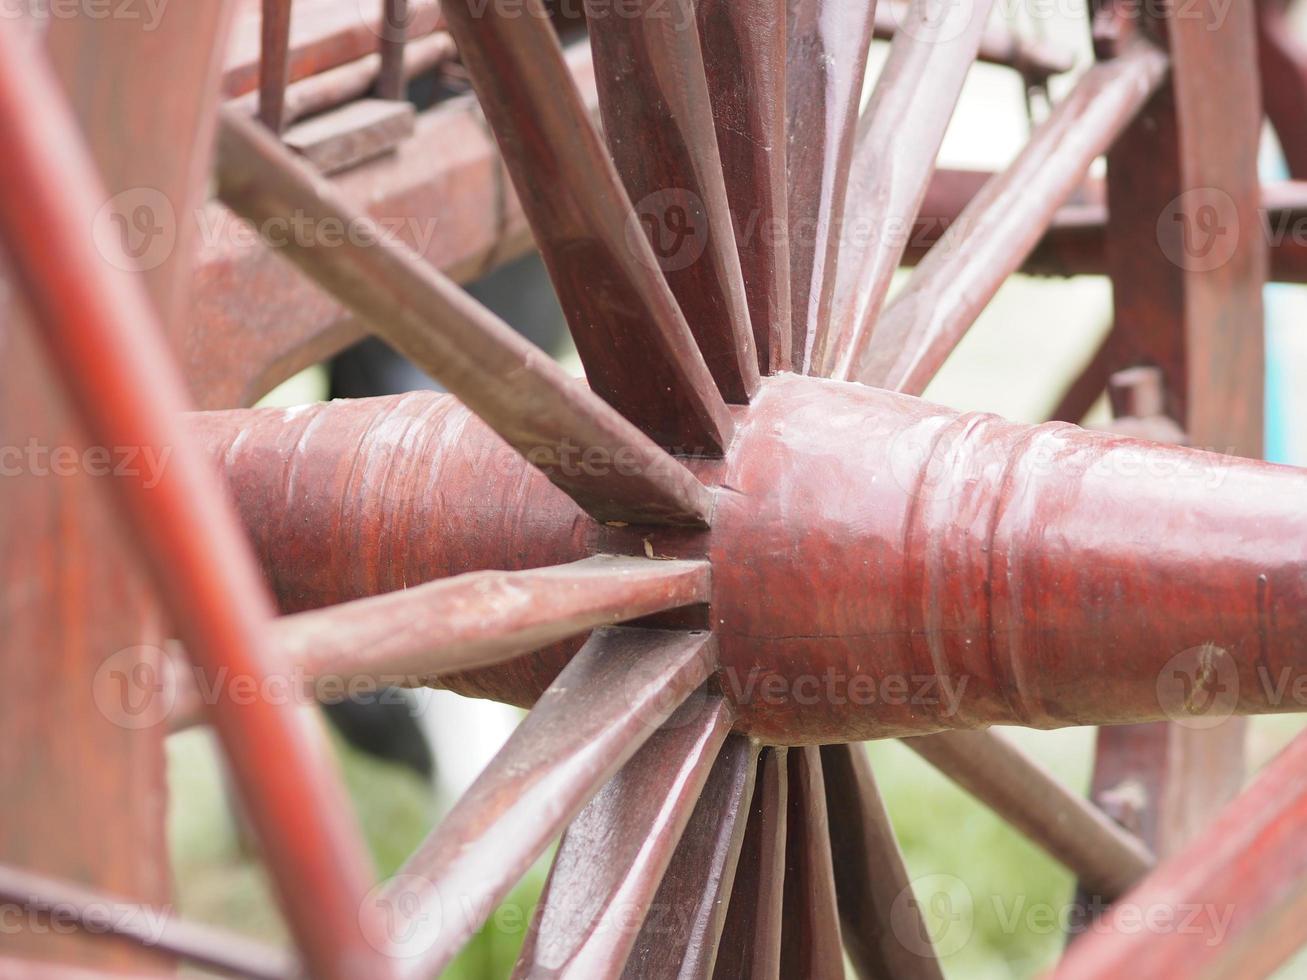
881,566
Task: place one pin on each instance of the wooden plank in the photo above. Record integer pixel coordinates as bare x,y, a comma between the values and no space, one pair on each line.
658,123
897,141
744,58
826,60
638,351
355,133
613,856
810,927
612,696
515,387
884,933
750,947
97,324
1003,223
1072,830
681,935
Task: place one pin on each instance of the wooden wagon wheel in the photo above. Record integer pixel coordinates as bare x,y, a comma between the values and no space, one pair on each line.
786,551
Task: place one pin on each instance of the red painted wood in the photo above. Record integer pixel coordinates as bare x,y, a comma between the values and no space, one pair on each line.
154,928
1282,60
898,135
274,62
751,937
1239,890
1003,223
325,34
1073,831
394,29
744,59
604,705
98,325
658,124
810,925
884,933
412,636
256,320
613,857
988,567
681,934
518,389
638,352
826,61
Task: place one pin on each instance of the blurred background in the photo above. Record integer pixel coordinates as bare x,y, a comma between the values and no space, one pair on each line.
987,883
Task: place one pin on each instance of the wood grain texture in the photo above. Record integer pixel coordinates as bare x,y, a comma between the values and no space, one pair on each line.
658,124
681,933
825,63
517,388
394,33
616,692
1003,223
897,140
1071,829
1240,887
274,62
97,323
94,809
744,59
750,946
613,857
810,926
638,352
882,927
411,637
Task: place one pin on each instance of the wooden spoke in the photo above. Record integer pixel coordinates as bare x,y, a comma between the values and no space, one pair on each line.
1241,886
394,34
899,135
810,926
153,928
638,352
517,389
658,122
615,853
882,926
680,937
1282,58
1003,223
1073,831
1036,59
744,59
603,706
826,60
409,637
274,63
100,329
750,947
